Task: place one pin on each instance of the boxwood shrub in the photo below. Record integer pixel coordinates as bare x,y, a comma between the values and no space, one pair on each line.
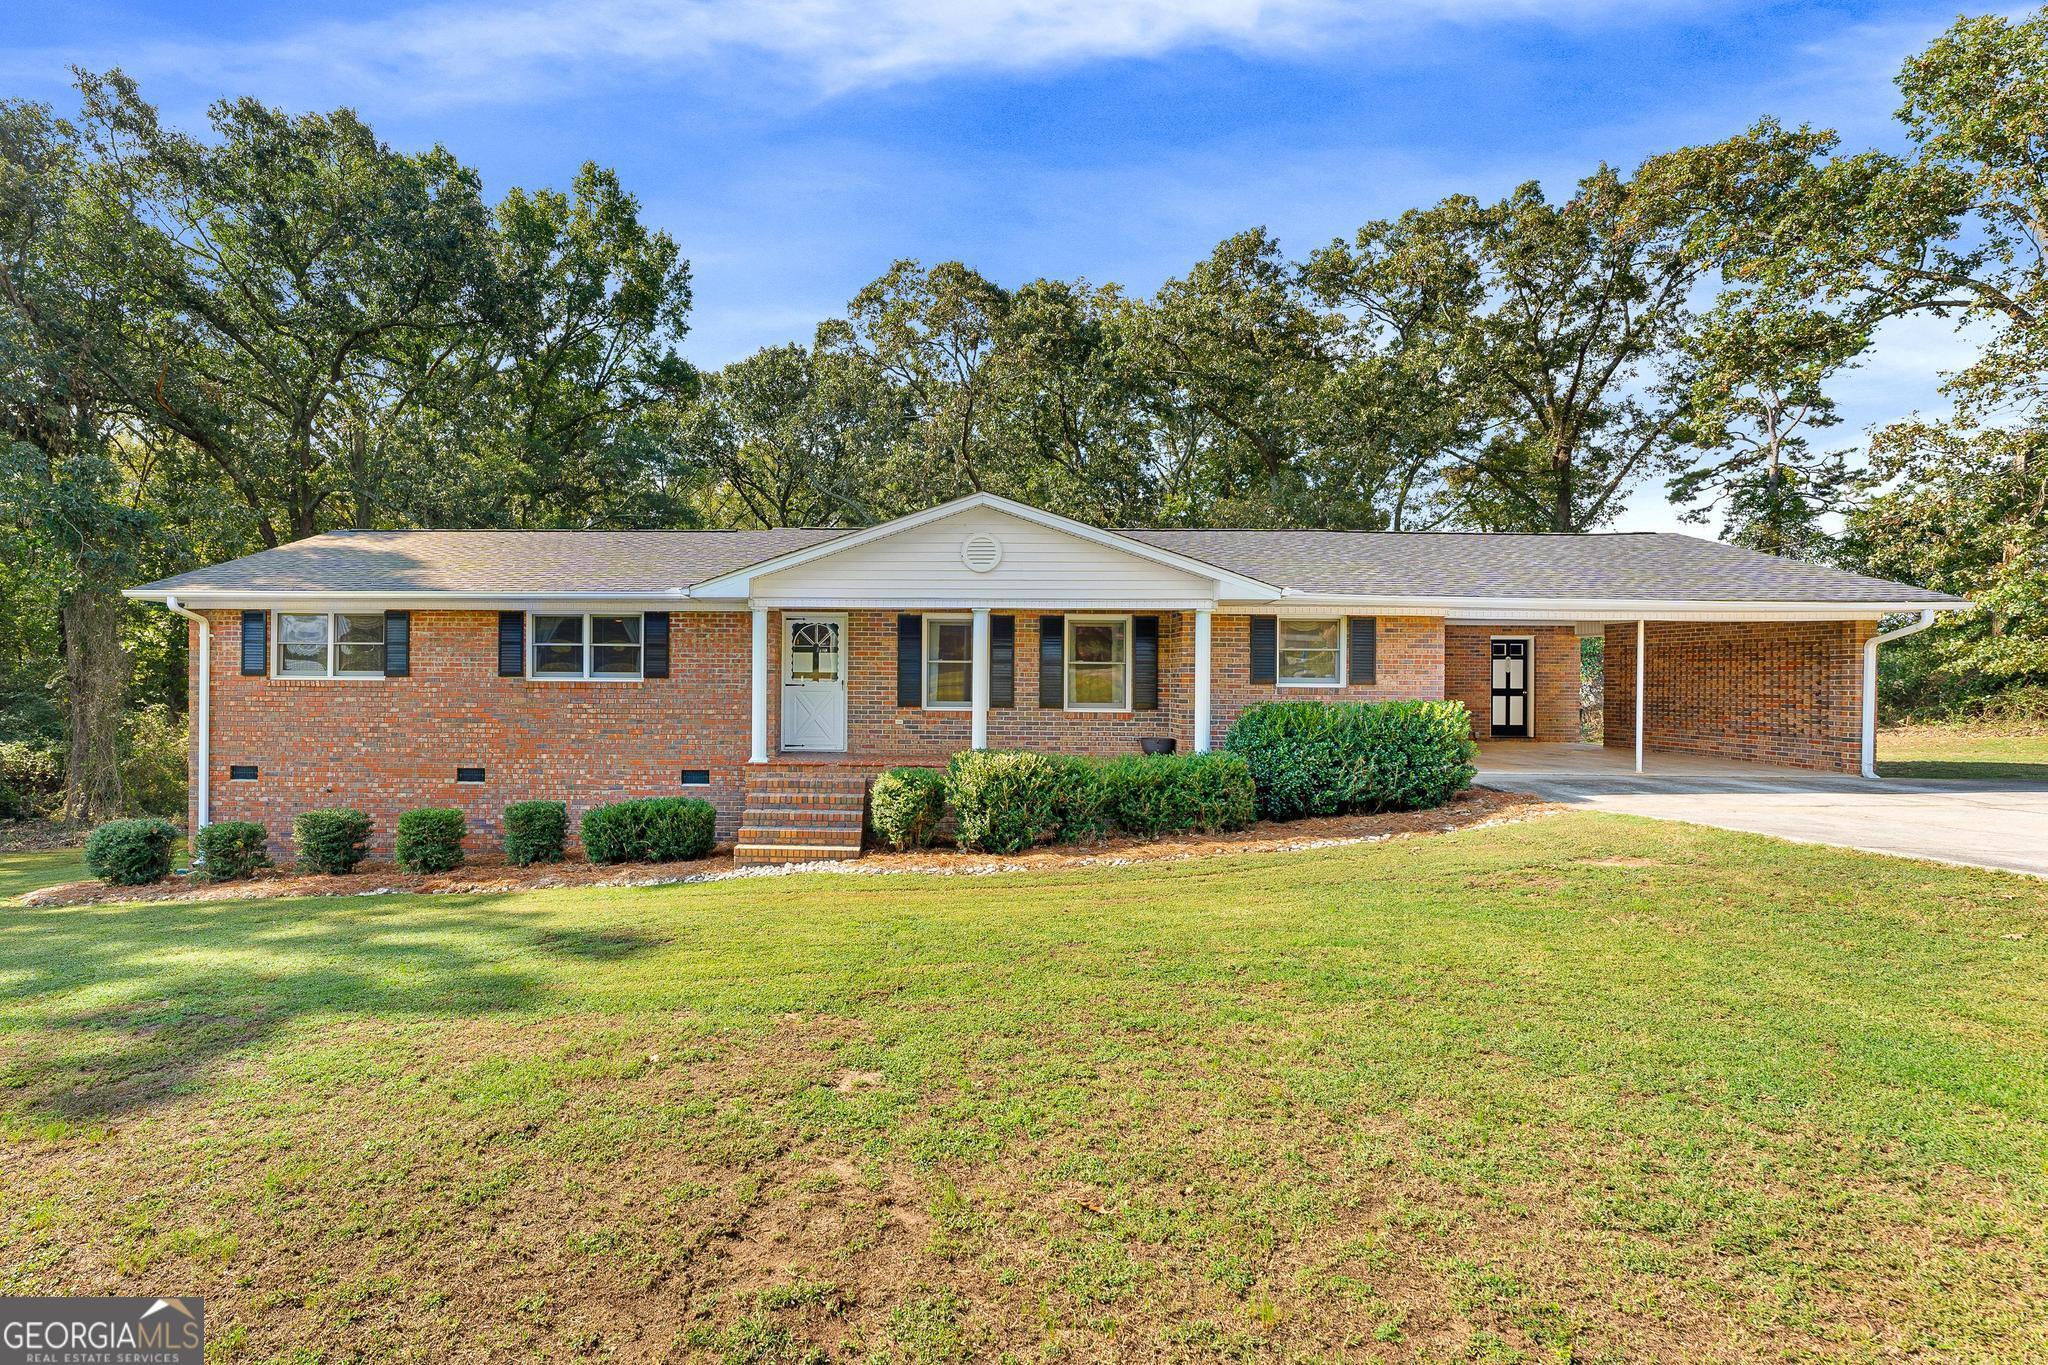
131,852
534,831
430,840
908,805
1323,758
332,840
657,829
1172,794
230,850
1006,800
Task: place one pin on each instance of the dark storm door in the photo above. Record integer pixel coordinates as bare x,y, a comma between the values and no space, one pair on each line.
1511,688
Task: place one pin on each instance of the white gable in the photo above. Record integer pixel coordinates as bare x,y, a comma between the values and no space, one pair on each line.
981,554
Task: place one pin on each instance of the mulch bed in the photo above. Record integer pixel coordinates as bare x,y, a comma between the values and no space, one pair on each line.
490,874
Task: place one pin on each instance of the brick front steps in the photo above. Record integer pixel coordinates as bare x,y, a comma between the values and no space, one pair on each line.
802,817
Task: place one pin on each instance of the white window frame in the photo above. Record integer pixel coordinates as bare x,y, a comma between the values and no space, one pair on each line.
926,659
1343,625
589,647
1067,662
332,672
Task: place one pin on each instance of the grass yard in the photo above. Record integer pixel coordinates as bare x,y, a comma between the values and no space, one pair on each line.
1584,1088
21,873
1962,751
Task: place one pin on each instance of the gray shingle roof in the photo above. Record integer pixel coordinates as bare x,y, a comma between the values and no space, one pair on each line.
510,562
1624,566
1649,566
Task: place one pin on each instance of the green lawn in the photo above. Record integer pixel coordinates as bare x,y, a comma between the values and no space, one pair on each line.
21,873
1961,751
1585,1088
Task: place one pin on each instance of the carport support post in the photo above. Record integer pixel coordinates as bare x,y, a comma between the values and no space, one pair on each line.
759,752
979,688
1201,680
1639,695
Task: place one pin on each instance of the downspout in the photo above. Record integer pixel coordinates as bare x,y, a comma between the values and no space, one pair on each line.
1870,685
202,723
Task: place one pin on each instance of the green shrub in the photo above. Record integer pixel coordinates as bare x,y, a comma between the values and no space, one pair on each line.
331,841
1172,794
534,831
131,852
909,805
430,840
1009,799
657,829
1321,758
230,850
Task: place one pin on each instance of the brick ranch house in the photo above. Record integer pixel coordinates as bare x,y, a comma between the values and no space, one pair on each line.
772,672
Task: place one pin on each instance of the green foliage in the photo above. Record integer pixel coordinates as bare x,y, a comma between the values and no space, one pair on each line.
153,763
1006,800
430,840
230,850
1323,758
331,841
1177,793
534,832
131,852
658,829
31,779
907,806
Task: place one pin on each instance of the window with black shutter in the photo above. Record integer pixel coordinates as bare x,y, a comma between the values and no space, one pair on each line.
1144,663
511,644
1264,649
255,644
1362,659
397,644
909,659
654,637
1002,660
1052,663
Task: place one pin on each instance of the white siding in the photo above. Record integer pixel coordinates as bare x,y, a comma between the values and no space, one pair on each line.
1039,565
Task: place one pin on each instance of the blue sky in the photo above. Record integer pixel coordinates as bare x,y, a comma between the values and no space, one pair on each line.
795,149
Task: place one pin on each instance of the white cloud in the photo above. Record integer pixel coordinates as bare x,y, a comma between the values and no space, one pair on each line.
470,53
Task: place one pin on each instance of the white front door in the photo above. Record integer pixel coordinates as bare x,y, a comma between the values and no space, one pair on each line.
814,683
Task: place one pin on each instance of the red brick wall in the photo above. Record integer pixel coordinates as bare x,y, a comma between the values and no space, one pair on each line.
1787,693
1553,678
1409,667
387,745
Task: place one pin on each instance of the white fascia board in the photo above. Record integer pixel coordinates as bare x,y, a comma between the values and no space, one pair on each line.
739,583
1112,606
420,601
1489,609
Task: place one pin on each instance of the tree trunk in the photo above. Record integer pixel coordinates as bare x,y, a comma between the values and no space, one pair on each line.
96,670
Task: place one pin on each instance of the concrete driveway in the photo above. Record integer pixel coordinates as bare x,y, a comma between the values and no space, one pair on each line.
1980,824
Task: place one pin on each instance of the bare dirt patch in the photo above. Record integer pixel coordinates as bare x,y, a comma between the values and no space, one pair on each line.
489,874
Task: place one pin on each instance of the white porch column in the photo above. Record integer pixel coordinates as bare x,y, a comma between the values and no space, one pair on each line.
1640,700
759,751
1201,680
979,693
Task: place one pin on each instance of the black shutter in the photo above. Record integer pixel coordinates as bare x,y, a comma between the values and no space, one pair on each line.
1052,662
1264,647
654,645
909,659
1002,660
1363,656
1144,663
397,644
255,643
511,644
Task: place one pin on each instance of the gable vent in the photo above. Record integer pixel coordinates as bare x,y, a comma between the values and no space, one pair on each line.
981,552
